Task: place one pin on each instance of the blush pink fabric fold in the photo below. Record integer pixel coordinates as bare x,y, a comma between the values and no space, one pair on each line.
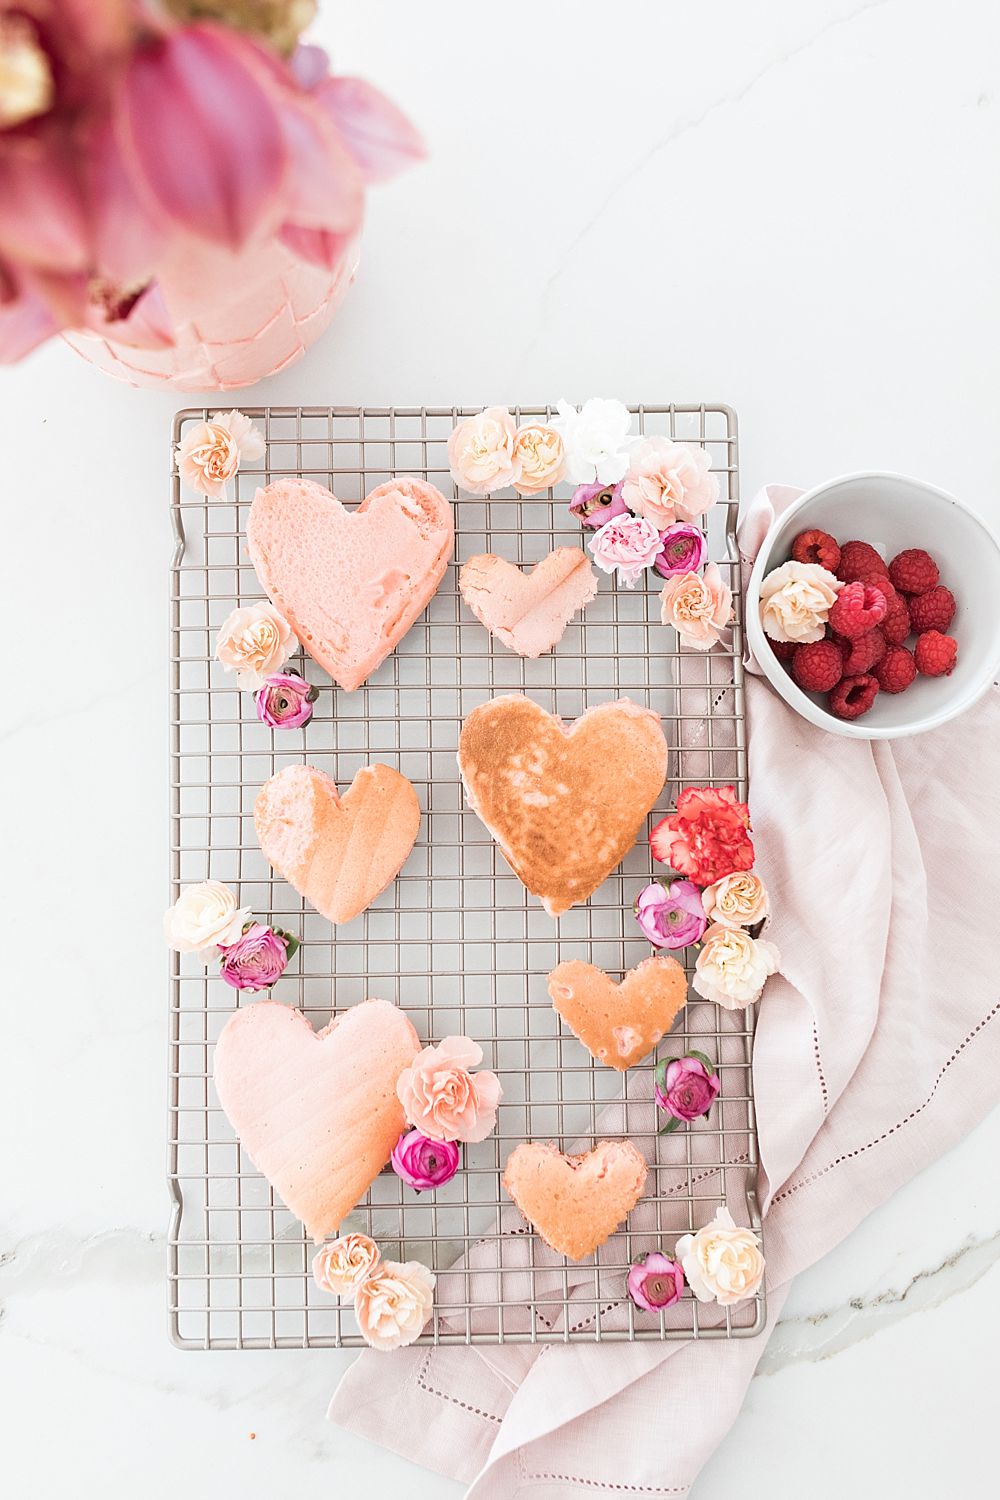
877,1050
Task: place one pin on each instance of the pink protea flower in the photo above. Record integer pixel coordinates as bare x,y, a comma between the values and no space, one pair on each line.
126,135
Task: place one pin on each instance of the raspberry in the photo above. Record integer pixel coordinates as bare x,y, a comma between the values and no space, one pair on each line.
881,582
857,609
896,625
856,559
896,670
783,650
860,655
817,547
934,610
818,666
935,654
914,571
854,696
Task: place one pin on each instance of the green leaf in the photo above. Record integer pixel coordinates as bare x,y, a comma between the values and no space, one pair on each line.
670,1126
709,1064
291,943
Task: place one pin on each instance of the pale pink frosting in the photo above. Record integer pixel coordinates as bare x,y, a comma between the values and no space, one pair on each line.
442,1099
668,482
482,451
698,605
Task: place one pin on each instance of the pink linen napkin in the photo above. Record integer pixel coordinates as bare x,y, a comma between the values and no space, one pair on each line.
870,1061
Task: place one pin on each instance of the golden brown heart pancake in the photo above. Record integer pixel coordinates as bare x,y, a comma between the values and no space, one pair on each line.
619,1023
564,803
337,852
575,1202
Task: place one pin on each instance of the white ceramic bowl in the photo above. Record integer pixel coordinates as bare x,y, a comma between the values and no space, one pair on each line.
893,513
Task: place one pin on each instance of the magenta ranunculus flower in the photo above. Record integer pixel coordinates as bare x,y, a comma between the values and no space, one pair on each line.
423,1163
285,701
685,1087
257,958
671,916
655,1282
593,504
684,549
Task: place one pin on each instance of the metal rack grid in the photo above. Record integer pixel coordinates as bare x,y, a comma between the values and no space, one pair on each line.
455,940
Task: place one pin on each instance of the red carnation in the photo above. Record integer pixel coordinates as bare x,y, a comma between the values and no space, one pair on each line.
707,837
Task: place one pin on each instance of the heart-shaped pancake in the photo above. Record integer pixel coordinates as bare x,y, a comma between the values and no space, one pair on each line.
337,852
350,582
315,1111
575,1202
619,1023
563,803
528,611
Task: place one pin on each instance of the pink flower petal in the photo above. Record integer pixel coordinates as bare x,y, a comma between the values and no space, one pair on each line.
377,134
146,325
128,237
317,247
309,65
324,188
41,213
205,132
24,324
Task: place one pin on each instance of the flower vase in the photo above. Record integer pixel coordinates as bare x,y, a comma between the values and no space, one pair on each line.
236,318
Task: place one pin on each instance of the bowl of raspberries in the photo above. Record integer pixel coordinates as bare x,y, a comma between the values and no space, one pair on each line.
870,606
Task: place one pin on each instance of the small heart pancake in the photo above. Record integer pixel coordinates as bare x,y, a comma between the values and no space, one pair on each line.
315,1111
528,611
563,803
337,852
575,1202
619,1023
350,582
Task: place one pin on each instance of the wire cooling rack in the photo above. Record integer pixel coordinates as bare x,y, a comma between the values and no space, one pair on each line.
455,940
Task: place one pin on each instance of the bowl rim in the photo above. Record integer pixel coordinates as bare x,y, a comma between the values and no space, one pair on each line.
785,684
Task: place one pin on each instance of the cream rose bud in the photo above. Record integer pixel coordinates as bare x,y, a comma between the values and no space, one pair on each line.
204,916
392,1305
738,900
540,456
795,601
732,966
482,451
341,1266
722,1262
254,642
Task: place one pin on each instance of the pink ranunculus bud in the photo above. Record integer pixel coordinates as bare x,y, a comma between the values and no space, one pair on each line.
593,504
684,549
257,959
685,1087
671,916
285,701
655,1282
422,1163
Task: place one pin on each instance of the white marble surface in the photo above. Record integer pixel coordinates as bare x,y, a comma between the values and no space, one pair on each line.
791,207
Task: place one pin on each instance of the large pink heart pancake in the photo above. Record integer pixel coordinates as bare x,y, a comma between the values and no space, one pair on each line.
575,1202
528,611
315,1111
350,582
338,852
